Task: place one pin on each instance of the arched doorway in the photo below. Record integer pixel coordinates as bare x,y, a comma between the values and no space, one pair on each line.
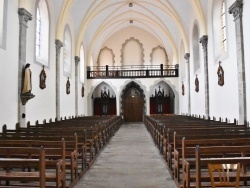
133,103
104,100
162,99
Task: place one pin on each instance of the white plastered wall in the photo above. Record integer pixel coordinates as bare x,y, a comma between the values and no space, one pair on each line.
223,99
9,69
43,105
197,98
246,31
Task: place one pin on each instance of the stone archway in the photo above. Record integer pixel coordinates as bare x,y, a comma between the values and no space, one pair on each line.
132,103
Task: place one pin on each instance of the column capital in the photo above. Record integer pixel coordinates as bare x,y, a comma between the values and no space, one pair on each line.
24,16
59,44
77,59
187,56
203,41
236,9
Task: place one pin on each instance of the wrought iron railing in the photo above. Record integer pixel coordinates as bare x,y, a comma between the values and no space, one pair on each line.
132,71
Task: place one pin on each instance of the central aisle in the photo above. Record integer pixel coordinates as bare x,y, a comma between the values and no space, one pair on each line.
130,160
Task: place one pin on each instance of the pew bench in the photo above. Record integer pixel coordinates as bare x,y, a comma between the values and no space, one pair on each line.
195,171
41,171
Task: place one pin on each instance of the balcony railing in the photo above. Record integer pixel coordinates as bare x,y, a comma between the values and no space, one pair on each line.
131,71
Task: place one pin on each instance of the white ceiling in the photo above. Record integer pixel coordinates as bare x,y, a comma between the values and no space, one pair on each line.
96,20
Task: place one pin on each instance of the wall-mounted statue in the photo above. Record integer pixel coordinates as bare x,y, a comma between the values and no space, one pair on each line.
183,89
220,73
42,79
26,85
68,87
82,90
196,84
27,81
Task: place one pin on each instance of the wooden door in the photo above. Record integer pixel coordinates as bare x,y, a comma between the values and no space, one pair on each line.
133,109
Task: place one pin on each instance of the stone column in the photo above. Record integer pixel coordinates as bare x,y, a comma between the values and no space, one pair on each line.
24,17
77,60
59,44
203,41
236,9
187,57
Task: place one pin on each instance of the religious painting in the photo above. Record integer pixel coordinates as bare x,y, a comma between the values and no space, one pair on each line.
220,73
68,87
183,89
196,84
42,84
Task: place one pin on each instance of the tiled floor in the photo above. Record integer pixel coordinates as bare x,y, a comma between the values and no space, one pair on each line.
130,160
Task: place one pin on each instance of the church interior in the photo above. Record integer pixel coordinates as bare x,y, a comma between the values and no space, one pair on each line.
86,74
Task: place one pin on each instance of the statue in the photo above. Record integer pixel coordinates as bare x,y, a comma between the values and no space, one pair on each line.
42,79
196,84
68,87
220,73
27,85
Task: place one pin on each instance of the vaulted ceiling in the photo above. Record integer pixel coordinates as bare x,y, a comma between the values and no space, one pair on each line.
94,21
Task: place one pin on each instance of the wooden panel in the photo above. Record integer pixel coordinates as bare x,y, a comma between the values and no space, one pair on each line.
133,109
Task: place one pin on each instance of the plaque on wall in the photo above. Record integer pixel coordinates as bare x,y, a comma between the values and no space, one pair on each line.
42,84
68,87
220,73
196,84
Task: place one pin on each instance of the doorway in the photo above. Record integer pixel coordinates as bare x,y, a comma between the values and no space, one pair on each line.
133,109
133,103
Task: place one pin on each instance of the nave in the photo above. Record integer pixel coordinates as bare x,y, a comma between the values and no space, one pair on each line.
129,160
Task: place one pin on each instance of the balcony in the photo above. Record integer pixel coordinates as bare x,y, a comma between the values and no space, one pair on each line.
131,71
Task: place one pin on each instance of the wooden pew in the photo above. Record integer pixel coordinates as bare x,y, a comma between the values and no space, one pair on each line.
18,158
245,161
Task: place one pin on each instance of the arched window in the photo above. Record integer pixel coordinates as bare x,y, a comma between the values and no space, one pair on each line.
196,48
3,21
67,52
182,62
42,33
38,32
219,14
82,64
223,24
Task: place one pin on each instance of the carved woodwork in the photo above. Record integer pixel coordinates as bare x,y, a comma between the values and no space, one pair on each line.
68,87
220,73
42,84
160,103
196,84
